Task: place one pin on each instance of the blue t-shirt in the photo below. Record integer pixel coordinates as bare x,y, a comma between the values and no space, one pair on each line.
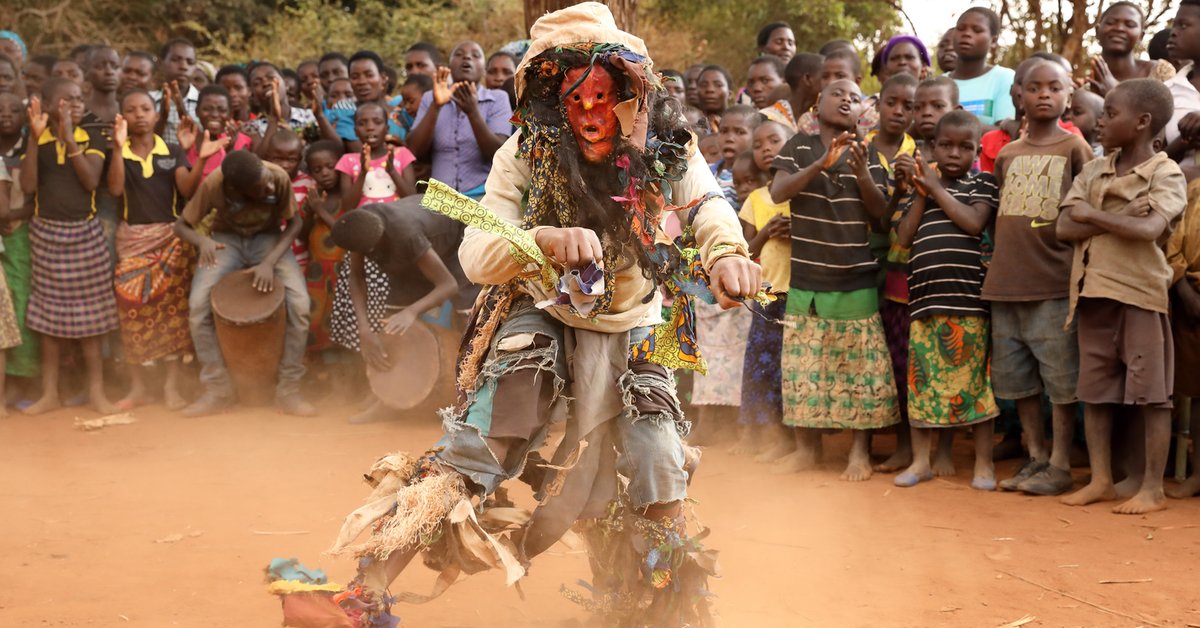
988,96
341,117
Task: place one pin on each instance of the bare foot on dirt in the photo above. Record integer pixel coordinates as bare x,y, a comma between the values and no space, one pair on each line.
101,404
1187,488
780,449
902,459
1128,487
943,465
857,471
46,404
1090,494
794,462
1142,503
747,444
173,400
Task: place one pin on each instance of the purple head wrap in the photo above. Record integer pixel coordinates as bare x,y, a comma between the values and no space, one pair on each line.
900,39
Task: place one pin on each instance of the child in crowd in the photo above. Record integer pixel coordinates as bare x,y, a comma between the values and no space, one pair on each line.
934,98
386,176
24,360
212,109
891,142
983,89
802,76
500,67
411,92
10,330
1183,131
9,76
712,88
1119,209
236,81
285,149
1183,253
269,95
841,64
320,211
137,71
1027,279
1086,109
710,147
72,295
948,378
249,199
673,82
1008,129
767,228
178,98
723,333
35,72
68,69
103,76
152,181
332,66
836,371
764,76
340,93
737,125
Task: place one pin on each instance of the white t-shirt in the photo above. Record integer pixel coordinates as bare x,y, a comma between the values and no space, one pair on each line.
1187,100
987,96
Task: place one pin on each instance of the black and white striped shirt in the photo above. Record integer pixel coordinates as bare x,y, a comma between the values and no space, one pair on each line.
830,224
946,270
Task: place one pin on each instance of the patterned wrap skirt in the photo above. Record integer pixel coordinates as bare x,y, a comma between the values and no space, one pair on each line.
343,326
23,360
837,374
72,293
949,371
762,392
153,279
722,338
324,257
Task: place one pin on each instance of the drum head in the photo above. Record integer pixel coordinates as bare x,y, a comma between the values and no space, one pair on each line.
235,300
415,368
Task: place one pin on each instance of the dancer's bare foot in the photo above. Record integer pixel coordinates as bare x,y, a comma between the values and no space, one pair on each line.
1128,487
1185,489
781,448
985,476
903,458
1142,503
1090,494
799,460
747,443
47,403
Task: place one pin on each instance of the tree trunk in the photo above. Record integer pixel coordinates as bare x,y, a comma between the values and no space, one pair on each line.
624,11
1081,23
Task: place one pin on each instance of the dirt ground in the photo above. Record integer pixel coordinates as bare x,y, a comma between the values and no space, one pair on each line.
170,521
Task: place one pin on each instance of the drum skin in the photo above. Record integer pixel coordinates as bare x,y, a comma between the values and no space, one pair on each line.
250,328
416,366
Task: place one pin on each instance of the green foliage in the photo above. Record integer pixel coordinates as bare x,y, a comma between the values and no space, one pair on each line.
683,31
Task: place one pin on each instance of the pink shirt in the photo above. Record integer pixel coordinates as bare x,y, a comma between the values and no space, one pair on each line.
242,142
378,186
302,186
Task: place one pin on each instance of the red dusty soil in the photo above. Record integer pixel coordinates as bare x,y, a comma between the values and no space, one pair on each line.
169,522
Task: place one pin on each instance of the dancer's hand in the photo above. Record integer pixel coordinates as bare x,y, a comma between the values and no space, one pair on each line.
573,247
733,278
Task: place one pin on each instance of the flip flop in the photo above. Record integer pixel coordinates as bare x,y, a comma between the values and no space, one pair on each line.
908,479
980,484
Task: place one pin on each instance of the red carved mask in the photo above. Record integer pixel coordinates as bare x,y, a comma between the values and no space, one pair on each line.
590,112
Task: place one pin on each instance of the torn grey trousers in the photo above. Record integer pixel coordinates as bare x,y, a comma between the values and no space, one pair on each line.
539,371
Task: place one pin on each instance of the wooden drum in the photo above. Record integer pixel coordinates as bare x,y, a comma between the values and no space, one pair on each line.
416,367
250,330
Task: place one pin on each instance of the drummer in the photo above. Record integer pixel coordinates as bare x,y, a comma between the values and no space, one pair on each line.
418,252
251,199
